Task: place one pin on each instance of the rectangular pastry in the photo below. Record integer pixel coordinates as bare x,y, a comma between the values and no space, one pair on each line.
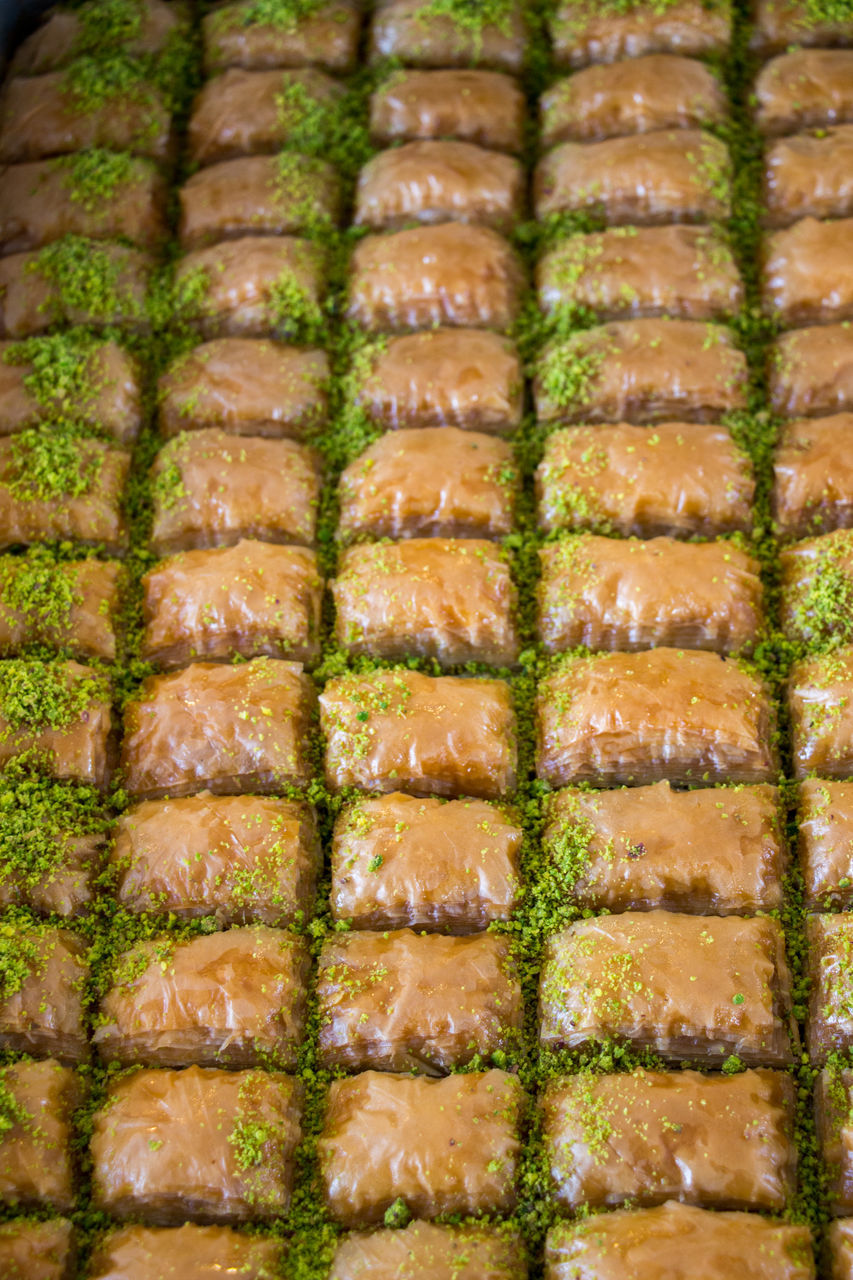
677,479
778,24
648,370
721,1142
692,988
804,88
486,107
399,730
75,280
817,577
246,386
199,1144
429,483
227,729
686,715
213,489
807,273
840,1238
37,1168
401,1001
134,1253
244,858
467,378
440,1146
255,286
811,371
448,599
233,999
614,593
32,1250
631,272
637,95
250,113
443,1253
61,879
813,480
718,850
67,605
149,27
59,715
381,879
253,598
835,1134
671,175
583,32
809,175
45,971
324,33
825,827
819,705
829,1027
450,274
409,31
680,1242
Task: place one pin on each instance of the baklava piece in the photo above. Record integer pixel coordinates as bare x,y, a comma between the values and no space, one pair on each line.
199,1144
440,1146
825,827
323,33
443,1253
48,199
399,730
451,600
382,880
61,490
248,113
485,107
259,286
616,593
60,713
450,274
427,482
811,371
245,859
807,274
637,95
718,850
246,386
635,718
68,605
36,1164
467,378
584,32
212,489
627,272
817,578
673,175
229,729
190,1252
437,181
144,27
52,115
694,988
809,175
418,34
778,24
680,1242
840,1237
251,599
829,1026
641,371
721,1142
49,869
674,480
257,195
41,998
813,477
819,700
234,999
803,89
400,1001
833,1098
70,375
32,1250
75,280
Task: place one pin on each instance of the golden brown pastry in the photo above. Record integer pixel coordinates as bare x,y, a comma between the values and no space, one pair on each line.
408,31
811,371
803,88
399,730
614,593
42,992
819,704
809,175
74,281
235,36
635,718
36,1163
449,599
442,1253
841,1249
813,481
486,107
721,1142
145,27
200,1144
832,1113
66,888
817,575
825,830
716,850
32,1250
257,195
585,31
381,880
781,23
687,987
807,273
676,479
189,1252
69,605
441,1146
829,1026
245,858
60,713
